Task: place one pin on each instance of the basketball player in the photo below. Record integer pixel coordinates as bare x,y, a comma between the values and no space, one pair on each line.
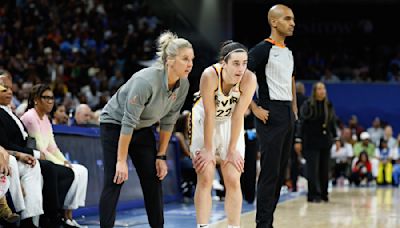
226,90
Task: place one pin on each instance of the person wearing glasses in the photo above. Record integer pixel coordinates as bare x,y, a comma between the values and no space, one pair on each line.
37,122
56,179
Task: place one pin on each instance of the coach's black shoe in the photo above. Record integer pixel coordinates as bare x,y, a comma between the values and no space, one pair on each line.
314,200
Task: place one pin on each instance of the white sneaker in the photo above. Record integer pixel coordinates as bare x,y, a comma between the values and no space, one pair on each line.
74,223
217,186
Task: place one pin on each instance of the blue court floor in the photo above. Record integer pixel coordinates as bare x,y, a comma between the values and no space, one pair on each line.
175,214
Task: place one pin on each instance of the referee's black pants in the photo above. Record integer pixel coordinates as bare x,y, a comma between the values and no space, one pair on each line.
142,151
276,138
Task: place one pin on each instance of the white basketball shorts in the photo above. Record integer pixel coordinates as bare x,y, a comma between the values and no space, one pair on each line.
221,135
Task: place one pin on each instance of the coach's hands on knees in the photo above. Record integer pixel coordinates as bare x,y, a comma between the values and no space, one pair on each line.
235,159
202,159
162,168
121,172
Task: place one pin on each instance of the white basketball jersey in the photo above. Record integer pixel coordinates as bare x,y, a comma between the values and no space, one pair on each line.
225,104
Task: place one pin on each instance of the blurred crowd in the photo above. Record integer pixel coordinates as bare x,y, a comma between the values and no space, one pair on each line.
379,64
85,49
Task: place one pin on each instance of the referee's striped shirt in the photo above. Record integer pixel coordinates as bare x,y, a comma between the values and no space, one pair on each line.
274,67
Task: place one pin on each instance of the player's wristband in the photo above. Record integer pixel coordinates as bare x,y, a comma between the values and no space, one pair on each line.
161,157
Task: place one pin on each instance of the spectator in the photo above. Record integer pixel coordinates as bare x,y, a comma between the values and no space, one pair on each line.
59,115
116,80
367,146
189,177
364,145
342,157
25,172
40,104
383,153
5,211
355,127
376,131
57,179
396,164
62,50
329,76
388,136
296,155
394,68
249,176
361,171
83,116
347,137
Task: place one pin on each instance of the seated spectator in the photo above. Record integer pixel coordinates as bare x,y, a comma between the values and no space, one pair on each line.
329,76
116,81
26,180
355,127
393,74
366,145
342,157
362,170
41,102
388,136
189,176
347,137
56,179
59,115
375,131
383,153
83,116
5,212
396,164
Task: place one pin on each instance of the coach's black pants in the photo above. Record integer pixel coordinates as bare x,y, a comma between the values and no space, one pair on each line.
275,138
142,151
317,173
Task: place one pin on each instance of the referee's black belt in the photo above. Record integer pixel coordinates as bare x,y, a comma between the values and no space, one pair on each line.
280,102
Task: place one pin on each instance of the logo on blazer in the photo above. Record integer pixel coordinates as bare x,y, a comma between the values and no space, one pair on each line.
133,100
173,96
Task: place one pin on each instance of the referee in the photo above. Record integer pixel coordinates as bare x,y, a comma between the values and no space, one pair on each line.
276,109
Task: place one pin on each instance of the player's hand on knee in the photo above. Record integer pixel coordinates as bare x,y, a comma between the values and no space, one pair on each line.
121,172
235,159
202,159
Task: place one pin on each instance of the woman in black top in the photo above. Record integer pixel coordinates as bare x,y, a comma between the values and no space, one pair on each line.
316,132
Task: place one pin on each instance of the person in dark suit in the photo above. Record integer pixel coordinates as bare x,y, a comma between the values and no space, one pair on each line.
296,150
248,178
56,179
315,133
